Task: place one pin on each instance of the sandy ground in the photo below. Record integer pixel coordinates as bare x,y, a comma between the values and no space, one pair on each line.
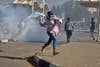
83,53
15,54
75,54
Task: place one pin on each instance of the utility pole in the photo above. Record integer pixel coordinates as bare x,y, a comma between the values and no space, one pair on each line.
43,6
32,7
98,13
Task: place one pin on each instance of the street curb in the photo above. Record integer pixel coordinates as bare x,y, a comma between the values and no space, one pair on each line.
41,62
7,40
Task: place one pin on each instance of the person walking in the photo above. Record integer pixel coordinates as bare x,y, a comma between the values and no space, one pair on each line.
68,27
52,25
92,28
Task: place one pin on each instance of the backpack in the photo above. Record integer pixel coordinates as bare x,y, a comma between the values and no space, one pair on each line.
69,26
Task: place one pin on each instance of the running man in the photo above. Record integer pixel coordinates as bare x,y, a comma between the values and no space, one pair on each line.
52,25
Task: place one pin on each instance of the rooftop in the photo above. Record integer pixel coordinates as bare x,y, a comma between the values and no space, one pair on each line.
89,3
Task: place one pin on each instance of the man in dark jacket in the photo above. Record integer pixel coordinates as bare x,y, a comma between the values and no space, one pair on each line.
92,28
68,29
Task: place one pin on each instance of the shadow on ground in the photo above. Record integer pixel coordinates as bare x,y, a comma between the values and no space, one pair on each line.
28,59
16,58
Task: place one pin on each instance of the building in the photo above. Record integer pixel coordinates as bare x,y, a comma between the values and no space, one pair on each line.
37,5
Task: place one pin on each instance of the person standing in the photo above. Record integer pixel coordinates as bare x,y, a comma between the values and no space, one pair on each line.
68,27
52,25
92,28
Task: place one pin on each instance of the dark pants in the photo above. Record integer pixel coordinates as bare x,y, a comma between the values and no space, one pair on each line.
68,35
52,37
92,30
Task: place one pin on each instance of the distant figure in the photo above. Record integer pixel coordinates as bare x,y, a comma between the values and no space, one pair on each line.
92,28
52,25
68,29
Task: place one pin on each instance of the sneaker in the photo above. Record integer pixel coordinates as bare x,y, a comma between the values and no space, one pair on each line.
55,53
42,49
93,38
68,41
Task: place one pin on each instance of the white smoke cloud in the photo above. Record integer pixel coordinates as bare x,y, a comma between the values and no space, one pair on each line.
12,16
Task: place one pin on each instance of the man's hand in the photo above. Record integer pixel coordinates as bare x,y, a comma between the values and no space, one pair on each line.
41,20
